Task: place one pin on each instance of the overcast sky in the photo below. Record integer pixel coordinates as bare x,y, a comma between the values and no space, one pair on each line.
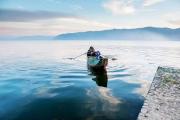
52,17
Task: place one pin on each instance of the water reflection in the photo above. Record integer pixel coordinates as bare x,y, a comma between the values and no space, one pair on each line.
99,76
38,84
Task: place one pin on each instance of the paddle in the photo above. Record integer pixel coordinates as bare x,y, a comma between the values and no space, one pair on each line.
112,58
77,56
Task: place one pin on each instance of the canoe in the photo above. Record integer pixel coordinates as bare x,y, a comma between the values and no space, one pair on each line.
94,63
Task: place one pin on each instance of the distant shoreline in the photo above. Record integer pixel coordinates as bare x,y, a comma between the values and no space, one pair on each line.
144,34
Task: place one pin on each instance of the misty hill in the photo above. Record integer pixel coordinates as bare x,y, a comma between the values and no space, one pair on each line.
146,33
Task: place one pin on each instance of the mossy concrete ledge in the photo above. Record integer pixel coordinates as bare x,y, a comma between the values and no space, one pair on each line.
163,98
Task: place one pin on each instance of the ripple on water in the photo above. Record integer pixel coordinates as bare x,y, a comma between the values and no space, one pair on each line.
39,84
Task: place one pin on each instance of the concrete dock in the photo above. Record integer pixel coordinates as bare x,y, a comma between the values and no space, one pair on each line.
163,99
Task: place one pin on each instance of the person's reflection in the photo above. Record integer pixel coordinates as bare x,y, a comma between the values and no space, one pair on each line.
101,77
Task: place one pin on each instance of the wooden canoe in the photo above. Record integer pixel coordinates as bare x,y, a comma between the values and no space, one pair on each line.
94,63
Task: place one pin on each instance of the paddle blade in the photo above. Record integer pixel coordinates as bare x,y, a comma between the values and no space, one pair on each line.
114,59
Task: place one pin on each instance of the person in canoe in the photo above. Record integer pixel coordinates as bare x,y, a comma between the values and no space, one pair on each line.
92,53
95,60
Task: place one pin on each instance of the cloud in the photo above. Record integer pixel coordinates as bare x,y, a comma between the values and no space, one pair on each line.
175,22
23,22
51,26
119,7
21,15
172,18
151,2
127,7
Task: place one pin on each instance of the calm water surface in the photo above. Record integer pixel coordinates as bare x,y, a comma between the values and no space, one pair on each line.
38,82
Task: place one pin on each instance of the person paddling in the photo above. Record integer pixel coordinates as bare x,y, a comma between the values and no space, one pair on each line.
93,53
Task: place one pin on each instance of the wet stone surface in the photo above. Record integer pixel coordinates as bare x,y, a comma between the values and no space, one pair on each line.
163,99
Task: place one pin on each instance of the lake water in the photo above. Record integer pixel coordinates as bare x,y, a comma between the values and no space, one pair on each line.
38,82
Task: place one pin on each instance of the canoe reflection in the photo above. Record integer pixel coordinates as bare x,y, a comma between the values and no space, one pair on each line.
100,76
